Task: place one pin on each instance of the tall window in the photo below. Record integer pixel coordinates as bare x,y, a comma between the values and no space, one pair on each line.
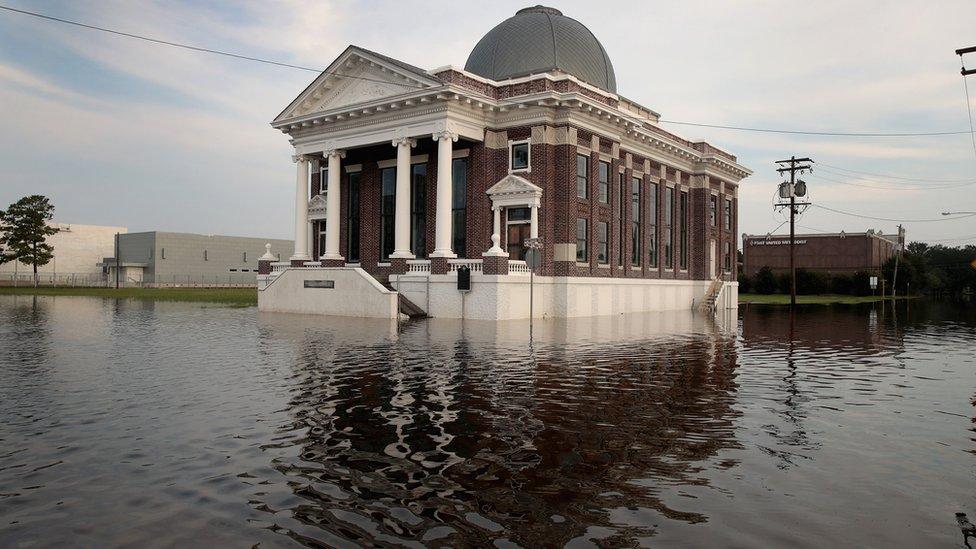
519,155
602,234
582,175
323,180
352,219
459,207
635,250
418,210
652,224
605,182
321,234
581,255
387,211
621,200
728,215
728,257
713,210
683,231
668,229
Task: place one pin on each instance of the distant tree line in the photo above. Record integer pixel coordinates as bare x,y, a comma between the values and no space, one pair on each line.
24,229
941,271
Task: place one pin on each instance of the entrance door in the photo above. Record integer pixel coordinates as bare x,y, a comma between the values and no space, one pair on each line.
711,260
518,233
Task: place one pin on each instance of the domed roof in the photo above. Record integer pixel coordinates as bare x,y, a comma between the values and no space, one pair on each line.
540,39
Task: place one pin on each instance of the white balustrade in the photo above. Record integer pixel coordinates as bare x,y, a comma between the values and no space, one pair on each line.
280,266
518,267
474,264
418,266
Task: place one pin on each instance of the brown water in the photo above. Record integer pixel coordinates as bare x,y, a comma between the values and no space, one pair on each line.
165,424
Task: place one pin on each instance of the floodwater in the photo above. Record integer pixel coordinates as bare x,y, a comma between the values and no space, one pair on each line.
134,423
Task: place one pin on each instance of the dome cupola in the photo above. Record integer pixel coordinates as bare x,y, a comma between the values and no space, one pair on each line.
538,40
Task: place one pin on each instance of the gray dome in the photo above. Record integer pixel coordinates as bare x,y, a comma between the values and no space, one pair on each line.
538,40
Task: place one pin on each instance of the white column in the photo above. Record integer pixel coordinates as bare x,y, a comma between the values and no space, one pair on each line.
445,187
401,233
332,206
534,221
496,249
301,210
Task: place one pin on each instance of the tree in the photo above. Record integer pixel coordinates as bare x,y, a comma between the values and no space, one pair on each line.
3,256
765,282
24,230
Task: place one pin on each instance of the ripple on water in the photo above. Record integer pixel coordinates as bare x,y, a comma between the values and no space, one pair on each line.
121,419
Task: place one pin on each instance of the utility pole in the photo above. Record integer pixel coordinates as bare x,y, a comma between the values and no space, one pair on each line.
894,277
793,189
963,51
117,262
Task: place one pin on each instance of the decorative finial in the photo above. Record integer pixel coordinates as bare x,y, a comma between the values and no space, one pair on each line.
268,256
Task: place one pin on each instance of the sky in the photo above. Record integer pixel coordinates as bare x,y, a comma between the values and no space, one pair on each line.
121,132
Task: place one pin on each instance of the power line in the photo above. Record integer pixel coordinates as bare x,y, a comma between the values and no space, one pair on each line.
886,188
888,176
969,108
821,206
817,133
312,69
194,48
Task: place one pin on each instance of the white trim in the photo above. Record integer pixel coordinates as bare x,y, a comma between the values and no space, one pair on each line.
528,164
353,168
391,163
461,153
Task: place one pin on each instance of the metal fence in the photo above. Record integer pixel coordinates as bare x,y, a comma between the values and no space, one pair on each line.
230,280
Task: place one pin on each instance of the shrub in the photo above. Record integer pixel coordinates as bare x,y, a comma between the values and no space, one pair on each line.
861,283
745,284
783,283
841,284
765,281
810,282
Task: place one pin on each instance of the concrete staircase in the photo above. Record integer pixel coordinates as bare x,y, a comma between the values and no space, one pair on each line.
407,307
707,304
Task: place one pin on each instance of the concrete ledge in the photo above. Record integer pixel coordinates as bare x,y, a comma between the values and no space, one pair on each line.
338,291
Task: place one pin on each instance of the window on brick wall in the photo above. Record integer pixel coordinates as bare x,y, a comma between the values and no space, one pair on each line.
459,207
352,218
728,257
581,239
418,210
728,215
387,211
582,175
519,156
604,182
683,231
652,224
621,200
668,229
713,210
323,180
320,232
635,194
602,247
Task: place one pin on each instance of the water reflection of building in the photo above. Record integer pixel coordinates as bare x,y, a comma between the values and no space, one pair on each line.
456,431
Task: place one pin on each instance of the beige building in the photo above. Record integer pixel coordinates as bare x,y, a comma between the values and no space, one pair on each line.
77,251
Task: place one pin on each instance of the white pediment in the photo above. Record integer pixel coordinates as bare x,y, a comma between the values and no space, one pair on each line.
513,184
356,77
317,207
513,190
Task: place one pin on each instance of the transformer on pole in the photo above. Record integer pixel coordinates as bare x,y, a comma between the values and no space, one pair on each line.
791,190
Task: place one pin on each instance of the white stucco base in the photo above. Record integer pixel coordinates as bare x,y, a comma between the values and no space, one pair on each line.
355,293
507,297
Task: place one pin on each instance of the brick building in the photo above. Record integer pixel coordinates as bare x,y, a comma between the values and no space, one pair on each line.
405,172
827,253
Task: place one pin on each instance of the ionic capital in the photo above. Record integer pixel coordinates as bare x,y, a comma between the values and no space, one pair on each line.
446,134
397,141
300,158
339,153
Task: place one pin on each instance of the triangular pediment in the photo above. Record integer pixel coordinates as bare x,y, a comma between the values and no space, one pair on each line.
317,206
512,184
358,76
